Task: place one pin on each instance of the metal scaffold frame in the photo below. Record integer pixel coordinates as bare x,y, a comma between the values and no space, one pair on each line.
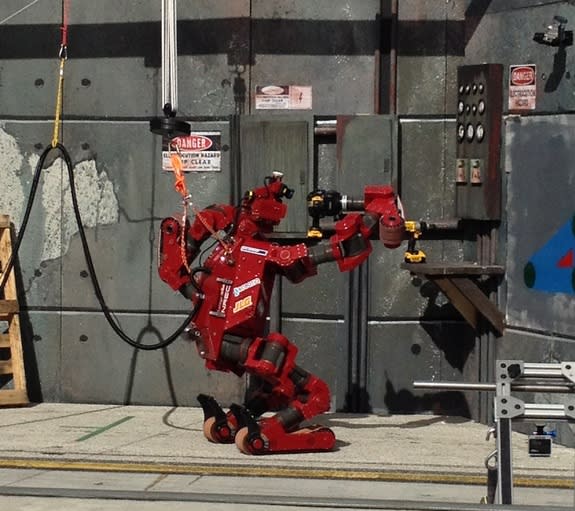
519,376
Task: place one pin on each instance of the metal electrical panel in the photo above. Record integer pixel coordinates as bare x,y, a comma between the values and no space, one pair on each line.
366,151
276,143
477,170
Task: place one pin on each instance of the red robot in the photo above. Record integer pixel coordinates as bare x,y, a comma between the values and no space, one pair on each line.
232,291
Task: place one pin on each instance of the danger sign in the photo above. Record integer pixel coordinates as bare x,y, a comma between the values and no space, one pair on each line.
522,87
193,142
199,152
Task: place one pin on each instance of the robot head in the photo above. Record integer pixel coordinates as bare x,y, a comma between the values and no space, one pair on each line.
264,205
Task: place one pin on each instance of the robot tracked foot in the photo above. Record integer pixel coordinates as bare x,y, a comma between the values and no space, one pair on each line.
219,427
268,436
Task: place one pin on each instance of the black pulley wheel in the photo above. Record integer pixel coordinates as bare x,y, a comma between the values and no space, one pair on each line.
169,127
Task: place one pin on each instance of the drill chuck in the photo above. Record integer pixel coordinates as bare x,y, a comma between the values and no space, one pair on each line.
352,203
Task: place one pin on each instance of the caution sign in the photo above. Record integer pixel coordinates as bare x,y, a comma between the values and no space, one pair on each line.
522,87
199,151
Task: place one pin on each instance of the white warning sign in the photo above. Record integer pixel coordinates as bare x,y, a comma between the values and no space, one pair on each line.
283,97
199,151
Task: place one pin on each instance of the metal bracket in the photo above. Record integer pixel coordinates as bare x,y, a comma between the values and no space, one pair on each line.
508,370
568,370
508,407
570,407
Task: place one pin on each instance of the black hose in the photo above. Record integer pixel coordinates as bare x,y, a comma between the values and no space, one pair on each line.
91,270
16,245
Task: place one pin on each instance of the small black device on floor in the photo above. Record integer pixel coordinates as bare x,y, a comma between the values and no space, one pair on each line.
540,443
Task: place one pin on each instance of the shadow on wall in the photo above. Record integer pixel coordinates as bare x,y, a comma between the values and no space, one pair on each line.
29,338
433,310
403,401
357,400
439,403
456,344
149,328
558,71
455,341
35,394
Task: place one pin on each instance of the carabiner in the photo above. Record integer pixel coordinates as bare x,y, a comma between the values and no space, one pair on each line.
491,456
63,53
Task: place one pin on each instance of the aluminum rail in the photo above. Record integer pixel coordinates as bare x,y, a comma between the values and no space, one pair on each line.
532,370
545,411
492,387
169,55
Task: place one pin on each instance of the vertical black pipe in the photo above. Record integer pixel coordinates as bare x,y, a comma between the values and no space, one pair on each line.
364,405
505,467
357,399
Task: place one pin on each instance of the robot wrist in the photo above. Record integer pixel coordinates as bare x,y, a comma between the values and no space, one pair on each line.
321,253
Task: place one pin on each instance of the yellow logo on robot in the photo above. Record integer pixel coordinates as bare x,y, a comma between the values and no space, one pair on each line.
242,304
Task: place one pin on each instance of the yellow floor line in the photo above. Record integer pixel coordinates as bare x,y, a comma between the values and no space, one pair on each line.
271,471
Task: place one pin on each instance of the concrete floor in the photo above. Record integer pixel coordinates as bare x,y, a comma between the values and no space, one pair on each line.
99,448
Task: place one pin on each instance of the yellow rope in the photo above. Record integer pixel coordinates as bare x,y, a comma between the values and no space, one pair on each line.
56,132
212,231
181,187
183,252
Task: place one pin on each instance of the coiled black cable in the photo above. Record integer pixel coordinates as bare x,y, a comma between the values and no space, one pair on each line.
91,270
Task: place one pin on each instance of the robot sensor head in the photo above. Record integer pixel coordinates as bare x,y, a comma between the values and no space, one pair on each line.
264,204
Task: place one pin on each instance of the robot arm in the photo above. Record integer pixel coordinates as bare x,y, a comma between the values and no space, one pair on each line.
176,254
293,261
350,245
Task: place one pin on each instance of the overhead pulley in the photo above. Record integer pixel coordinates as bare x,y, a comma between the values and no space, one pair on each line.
169,126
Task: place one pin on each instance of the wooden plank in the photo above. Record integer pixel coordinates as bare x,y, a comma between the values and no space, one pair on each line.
484,305
9,307
459,300
18,373
12,397
460,269
11,339
5,254
4,340
5,366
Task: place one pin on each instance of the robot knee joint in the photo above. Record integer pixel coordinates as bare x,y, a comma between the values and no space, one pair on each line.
235,349
269,356
273,355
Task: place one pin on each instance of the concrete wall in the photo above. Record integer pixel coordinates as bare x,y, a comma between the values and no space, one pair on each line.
538,295
368,334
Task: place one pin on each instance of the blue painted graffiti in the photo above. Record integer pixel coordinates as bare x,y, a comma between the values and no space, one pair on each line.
552,267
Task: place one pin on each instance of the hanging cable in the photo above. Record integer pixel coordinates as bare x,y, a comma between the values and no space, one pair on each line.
57,146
